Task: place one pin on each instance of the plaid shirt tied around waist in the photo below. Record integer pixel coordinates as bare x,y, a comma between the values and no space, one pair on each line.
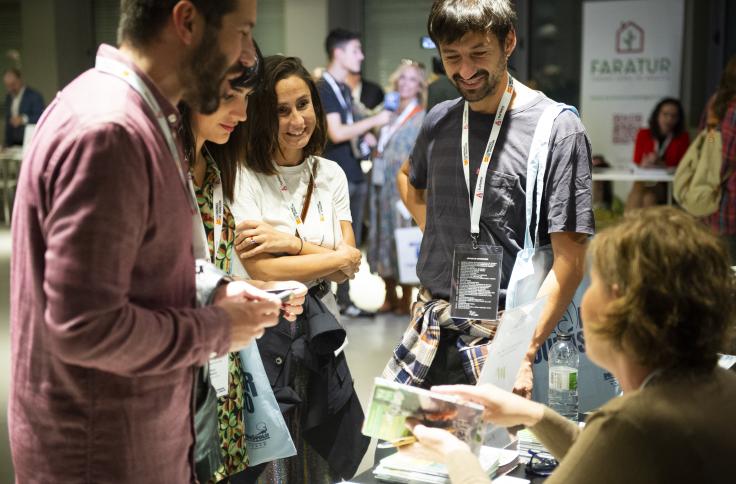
413,356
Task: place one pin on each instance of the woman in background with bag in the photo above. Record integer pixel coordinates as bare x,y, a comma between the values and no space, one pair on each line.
394,146
722,113
293,220
661,305
212,145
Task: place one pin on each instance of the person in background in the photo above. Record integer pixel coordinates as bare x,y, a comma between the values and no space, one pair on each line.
602,190
659,335
23,106
441,89
394,146
722,115
293,221
111,312
213,145
349,139
661,145
367,95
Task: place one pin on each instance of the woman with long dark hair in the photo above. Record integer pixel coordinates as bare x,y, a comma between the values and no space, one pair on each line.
213,144
293,220
661,145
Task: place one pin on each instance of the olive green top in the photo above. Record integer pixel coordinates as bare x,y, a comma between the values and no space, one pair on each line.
679,428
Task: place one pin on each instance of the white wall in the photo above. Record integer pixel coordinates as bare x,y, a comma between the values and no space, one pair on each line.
293,27
305,29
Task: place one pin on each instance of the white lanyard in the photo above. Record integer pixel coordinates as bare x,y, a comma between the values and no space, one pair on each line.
286,196
476,202
650,377
661,149
388,131
125,73
202,249
218,367
340,97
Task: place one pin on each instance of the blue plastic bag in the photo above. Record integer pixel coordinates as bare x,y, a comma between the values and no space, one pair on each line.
266,434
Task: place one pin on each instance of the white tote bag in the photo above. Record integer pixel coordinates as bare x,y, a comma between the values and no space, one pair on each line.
531,267
408,241
266,434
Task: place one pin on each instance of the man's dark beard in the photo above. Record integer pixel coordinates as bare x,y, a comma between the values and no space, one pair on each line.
203,74
487,88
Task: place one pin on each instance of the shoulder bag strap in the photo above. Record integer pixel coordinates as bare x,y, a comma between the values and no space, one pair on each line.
310,190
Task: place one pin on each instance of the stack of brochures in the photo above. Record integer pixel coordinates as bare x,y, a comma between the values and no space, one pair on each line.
402,468
527,442
394,407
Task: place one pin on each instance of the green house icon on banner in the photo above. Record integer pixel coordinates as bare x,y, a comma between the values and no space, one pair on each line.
629,38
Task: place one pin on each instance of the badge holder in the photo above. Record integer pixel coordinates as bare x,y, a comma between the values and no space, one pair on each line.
476,281
378,172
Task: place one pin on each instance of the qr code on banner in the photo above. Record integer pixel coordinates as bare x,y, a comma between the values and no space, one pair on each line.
625,127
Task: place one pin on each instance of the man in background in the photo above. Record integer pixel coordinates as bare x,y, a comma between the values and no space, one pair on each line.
349,140
23,106
367,95
441,89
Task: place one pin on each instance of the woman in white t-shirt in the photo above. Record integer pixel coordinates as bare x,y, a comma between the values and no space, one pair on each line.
293,217
288,130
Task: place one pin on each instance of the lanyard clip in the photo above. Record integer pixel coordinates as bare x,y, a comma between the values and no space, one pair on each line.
475,241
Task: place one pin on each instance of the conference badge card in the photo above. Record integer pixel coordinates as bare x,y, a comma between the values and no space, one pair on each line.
476,280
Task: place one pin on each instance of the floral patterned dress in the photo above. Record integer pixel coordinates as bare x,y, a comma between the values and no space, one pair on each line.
230,406
384,216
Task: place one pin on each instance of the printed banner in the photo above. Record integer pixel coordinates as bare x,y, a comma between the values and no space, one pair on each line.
631,59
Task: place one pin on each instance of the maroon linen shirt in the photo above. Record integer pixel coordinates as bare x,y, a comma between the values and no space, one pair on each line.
105,334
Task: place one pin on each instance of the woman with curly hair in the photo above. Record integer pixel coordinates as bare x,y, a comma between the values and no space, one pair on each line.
661,305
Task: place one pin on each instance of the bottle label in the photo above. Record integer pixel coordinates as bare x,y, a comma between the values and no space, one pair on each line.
563,378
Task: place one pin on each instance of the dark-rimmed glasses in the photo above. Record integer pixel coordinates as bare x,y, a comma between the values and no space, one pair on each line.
250,75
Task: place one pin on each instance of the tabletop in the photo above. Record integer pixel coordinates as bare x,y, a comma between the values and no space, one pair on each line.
367,476
633,174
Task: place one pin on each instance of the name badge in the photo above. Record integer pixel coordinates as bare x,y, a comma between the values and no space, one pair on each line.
378,172
476,280
219,375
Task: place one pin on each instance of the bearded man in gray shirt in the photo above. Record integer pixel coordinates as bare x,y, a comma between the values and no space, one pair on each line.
475,40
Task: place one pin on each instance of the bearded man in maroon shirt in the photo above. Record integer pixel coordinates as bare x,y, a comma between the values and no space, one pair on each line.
108,321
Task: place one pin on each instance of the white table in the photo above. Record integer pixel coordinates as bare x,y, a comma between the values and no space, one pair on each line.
663,175
10,159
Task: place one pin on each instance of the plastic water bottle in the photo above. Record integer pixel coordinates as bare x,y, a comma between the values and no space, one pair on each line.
564,362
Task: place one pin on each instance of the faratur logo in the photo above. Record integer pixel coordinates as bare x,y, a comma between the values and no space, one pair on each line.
629,45
638,66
